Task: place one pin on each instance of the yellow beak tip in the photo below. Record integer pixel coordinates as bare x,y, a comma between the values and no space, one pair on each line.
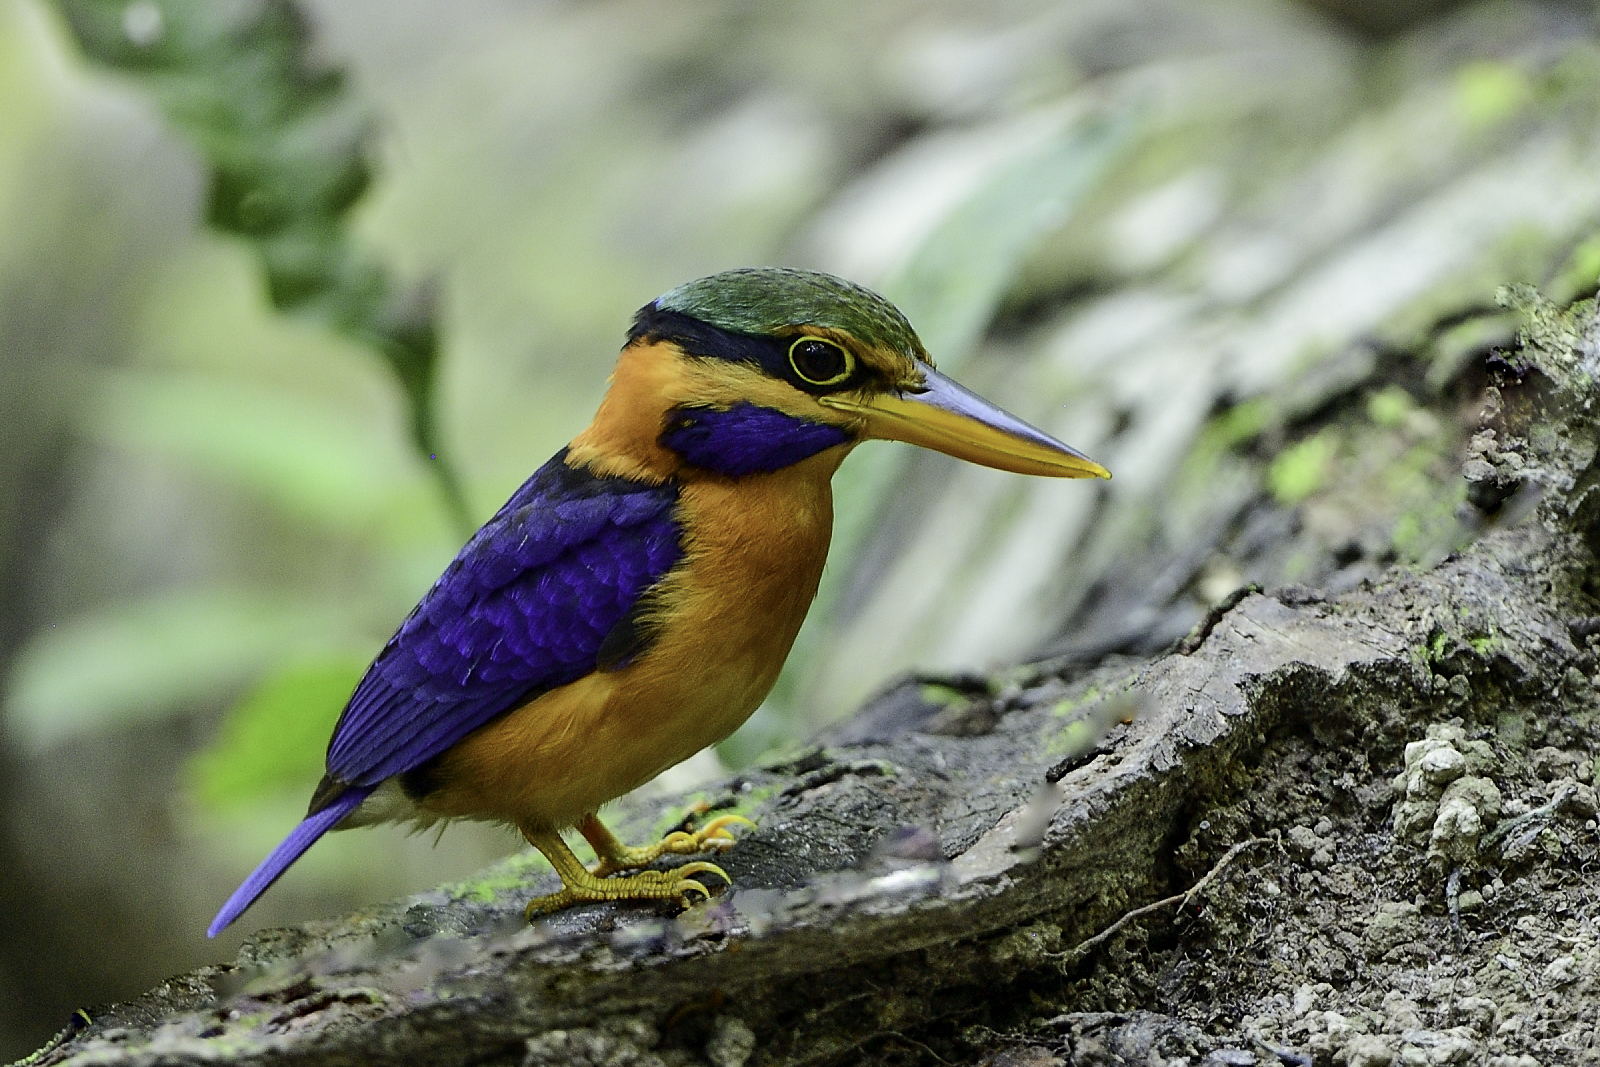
1080,466
948,418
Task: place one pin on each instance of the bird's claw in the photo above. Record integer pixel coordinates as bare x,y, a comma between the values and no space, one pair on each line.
676,884
714,835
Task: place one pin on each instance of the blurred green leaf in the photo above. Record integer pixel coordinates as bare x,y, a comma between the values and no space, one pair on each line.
1581,272
307,457
1299,471
1389,407
285,147
1489,92
275,737
152,657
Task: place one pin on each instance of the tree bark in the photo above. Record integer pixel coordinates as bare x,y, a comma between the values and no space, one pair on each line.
919,882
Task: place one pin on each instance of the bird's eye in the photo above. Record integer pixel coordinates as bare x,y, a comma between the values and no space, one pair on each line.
820,362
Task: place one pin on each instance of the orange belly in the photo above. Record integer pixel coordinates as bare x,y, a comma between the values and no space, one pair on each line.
753,555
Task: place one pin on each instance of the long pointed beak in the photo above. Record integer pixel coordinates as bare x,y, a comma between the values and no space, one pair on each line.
958,422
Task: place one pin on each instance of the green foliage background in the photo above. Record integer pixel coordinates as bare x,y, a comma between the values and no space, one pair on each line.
294,294
284,144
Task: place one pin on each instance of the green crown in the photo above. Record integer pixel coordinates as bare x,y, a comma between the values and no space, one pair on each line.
766,301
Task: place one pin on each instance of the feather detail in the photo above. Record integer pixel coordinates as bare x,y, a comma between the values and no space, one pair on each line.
721,625
290,849
525,607
746,439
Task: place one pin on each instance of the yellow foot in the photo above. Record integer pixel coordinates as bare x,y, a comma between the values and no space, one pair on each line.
585,888
615,856
579,885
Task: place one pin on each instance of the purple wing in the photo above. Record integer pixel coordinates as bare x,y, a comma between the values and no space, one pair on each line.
525,607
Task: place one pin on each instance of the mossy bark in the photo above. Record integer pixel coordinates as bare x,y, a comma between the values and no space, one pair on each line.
918,880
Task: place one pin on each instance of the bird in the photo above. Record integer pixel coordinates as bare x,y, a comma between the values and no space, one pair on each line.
634,600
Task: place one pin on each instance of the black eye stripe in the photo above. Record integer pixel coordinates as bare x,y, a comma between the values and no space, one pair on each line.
771,354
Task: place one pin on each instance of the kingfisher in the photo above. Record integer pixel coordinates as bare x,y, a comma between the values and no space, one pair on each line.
634,600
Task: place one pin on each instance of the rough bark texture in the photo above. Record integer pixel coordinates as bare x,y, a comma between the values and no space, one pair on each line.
1277,285
1416,753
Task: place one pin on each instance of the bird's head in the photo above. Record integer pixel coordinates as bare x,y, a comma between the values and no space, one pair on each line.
754,370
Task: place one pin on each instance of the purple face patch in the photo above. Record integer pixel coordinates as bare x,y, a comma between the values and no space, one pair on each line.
746,439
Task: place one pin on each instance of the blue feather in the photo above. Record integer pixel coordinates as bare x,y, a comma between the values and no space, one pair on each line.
746,439
291,849
524,608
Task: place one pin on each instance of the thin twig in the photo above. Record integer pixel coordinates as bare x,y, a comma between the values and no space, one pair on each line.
1492,840
1180,899
1452,897
913,1041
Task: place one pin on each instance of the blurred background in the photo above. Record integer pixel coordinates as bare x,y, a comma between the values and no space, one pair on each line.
293,294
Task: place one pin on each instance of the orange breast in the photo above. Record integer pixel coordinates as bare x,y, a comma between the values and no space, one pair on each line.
754,552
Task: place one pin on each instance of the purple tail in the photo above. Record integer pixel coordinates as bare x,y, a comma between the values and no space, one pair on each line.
292,848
